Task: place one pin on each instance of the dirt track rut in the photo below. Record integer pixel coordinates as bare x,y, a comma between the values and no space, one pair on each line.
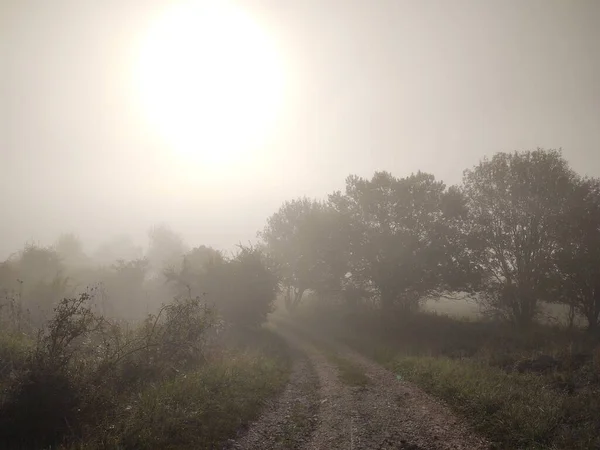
319,411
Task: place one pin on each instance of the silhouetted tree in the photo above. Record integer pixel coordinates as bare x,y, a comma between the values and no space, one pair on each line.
242,289
514,201
118,248
189,279
166,248
34,282
578,255
403,242
70,249
304,240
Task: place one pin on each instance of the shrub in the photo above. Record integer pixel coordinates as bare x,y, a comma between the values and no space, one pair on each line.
83,364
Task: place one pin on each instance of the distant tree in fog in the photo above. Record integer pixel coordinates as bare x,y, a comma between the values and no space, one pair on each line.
70,249
33,281
123,292
165,248
515,201
189,278
118,248
303,239
402,235
578,254
241,288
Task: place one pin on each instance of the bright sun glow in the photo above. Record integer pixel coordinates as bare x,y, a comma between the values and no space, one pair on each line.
211,83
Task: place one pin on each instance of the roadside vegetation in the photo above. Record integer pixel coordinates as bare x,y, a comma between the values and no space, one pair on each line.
189,375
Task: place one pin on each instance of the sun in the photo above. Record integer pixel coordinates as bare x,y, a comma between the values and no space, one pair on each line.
210,81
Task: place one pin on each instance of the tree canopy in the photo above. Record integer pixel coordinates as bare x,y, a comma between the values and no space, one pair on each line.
521,229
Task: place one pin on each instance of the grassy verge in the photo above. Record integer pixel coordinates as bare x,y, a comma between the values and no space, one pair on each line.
515,411
200,409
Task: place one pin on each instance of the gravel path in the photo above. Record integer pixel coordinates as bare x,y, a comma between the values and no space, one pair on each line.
319,411
290,420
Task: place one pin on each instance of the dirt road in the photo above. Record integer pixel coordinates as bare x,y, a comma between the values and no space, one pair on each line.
337,399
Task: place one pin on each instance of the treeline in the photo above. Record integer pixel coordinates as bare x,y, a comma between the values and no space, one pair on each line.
126,283
521,230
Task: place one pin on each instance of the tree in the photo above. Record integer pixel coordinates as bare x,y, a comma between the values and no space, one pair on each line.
303,240
166,248
242,289
118,248
514,201
401,236
35,281
124,287
578,255
189,279
70,249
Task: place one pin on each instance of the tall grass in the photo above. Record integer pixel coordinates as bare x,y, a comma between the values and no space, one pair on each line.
200,409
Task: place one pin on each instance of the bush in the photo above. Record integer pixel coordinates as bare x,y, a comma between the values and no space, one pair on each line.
82,365
242,289
197,410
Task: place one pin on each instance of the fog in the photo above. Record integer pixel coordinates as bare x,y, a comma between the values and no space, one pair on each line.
389,85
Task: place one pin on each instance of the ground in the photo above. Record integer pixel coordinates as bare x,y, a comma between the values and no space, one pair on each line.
338,399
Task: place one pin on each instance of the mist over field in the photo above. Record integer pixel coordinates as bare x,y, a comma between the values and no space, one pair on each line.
232,224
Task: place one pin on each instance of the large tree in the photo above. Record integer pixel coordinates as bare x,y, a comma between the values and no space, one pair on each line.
304,241
578,255
403,240
514,202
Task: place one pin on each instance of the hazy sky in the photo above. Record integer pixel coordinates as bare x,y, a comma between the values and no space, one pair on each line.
372,85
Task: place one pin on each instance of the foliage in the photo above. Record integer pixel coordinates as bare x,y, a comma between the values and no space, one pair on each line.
578,255
117,248
197,410
82,363
31,283
190,279
70,250
242,288
514,202
166,248
403,240
123,288
304,240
